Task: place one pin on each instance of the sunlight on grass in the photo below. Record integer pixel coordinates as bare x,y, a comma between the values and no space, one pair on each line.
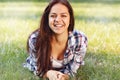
100,22
21,10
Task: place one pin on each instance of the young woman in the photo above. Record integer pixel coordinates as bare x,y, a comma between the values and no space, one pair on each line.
56,50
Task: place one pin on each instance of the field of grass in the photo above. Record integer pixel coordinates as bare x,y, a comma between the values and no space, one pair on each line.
99,21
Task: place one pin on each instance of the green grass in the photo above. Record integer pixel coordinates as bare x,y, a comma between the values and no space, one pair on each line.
99,21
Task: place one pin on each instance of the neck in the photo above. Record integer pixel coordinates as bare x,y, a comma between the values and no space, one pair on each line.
60,39
59,45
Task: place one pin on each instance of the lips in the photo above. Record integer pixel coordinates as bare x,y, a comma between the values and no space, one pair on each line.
58,25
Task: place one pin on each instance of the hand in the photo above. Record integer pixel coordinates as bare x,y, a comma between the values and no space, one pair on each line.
63,77
56,75
53,75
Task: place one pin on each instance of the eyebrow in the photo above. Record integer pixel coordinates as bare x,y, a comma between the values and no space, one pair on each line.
60,13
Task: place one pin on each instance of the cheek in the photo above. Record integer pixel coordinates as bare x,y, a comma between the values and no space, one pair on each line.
50,21
67,21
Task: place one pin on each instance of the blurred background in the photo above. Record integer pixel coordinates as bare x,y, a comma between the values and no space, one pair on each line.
98,19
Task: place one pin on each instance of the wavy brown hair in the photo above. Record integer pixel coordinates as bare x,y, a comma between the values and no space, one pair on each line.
43,42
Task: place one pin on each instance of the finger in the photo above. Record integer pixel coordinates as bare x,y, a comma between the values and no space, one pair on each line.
58,75
53,77
61,76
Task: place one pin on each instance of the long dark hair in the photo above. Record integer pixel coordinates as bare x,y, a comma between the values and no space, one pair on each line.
43,42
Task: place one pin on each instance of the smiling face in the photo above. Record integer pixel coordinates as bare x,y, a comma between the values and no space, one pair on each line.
59,19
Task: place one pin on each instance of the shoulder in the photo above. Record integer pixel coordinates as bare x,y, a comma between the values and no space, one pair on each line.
33,36
77,33
32,39
77,37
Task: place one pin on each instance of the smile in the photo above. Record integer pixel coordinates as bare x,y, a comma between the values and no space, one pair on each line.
58,25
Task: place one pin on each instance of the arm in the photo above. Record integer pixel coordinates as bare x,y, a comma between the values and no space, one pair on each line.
31,60
79,53
55,75
79,46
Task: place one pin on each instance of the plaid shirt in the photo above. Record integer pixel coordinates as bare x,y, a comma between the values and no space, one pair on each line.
73,56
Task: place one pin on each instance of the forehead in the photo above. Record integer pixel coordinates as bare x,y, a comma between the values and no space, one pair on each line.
59,8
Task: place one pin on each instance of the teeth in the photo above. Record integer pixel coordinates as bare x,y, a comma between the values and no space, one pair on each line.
58,25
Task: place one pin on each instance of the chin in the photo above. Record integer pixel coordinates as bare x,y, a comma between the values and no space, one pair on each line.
58,32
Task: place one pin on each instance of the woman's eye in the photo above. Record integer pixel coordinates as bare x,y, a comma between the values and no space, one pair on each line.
63,16
53,16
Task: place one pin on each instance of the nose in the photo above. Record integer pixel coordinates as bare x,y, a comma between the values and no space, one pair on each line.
58,18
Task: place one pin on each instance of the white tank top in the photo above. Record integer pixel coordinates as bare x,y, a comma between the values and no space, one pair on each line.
56,63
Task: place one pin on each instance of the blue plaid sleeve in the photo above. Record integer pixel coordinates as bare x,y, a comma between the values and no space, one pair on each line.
78,44
31,60
79,52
